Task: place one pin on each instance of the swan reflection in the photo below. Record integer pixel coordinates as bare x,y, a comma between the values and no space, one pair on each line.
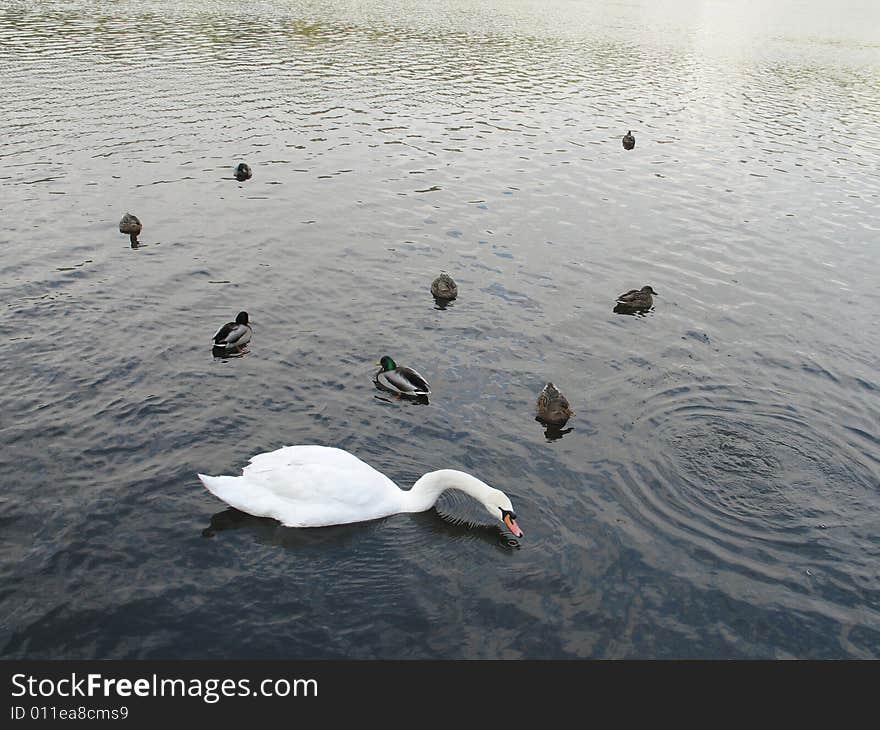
272,531
447,526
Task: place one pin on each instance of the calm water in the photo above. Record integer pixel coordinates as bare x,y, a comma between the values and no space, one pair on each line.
718,494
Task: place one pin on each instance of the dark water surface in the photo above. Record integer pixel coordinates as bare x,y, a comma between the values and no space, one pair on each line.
718,494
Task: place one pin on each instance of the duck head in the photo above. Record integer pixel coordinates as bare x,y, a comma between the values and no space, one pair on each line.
386,363
242,318
648,290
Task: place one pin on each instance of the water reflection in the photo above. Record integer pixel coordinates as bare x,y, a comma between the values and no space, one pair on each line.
421,400
554,433
636,311
437,524
271,531
227,353
434,523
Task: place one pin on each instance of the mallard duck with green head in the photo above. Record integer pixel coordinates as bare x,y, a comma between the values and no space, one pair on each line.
400,380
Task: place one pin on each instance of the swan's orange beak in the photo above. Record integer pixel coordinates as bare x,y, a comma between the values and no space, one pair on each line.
512,526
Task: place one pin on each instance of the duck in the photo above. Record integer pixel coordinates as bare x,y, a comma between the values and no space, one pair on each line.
636,300
311,485
131,225
444,288
629,141
400,381
552,408
234,334
242,172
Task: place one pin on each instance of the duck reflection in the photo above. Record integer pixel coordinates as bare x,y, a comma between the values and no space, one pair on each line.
387,397
626,309
554,433
442,304
225,353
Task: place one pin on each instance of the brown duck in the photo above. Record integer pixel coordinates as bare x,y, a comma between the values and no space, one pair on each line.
552,408
132,226
636,300
443,287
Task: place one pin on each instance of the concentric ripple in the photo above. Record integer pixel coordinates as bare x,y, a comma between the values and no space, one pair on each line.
743,480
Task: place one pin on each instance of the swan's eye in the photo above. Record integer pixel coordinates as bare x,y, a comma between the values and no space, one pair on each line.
507,513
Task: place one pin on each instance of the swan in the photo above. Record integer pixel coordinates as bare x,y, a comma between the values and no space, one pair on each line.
234,334
317,486
629,141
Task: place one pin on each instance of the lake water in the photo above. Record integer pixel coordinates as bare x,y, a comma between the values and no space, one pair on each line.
718,492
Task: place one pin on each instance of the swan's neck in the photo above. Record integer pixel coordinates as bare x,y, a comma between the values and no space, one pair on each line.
428,488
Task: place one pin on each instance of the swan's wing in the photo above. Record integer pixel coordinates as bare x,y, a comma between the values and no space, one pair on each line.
301,455
309,486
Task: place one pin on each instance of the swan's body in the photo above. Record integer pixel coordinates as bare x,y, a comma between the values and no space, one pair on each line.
636,300
552,408
401,381
629,141
234,334
243,172
444,287
130,225
316,486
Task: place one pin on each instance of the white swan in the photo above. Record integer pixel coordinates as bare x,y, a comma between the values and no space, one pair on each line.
315,486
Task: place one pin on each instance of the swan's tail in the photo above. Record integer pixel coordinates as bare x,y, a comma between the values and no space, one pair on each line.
223,487
249,496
